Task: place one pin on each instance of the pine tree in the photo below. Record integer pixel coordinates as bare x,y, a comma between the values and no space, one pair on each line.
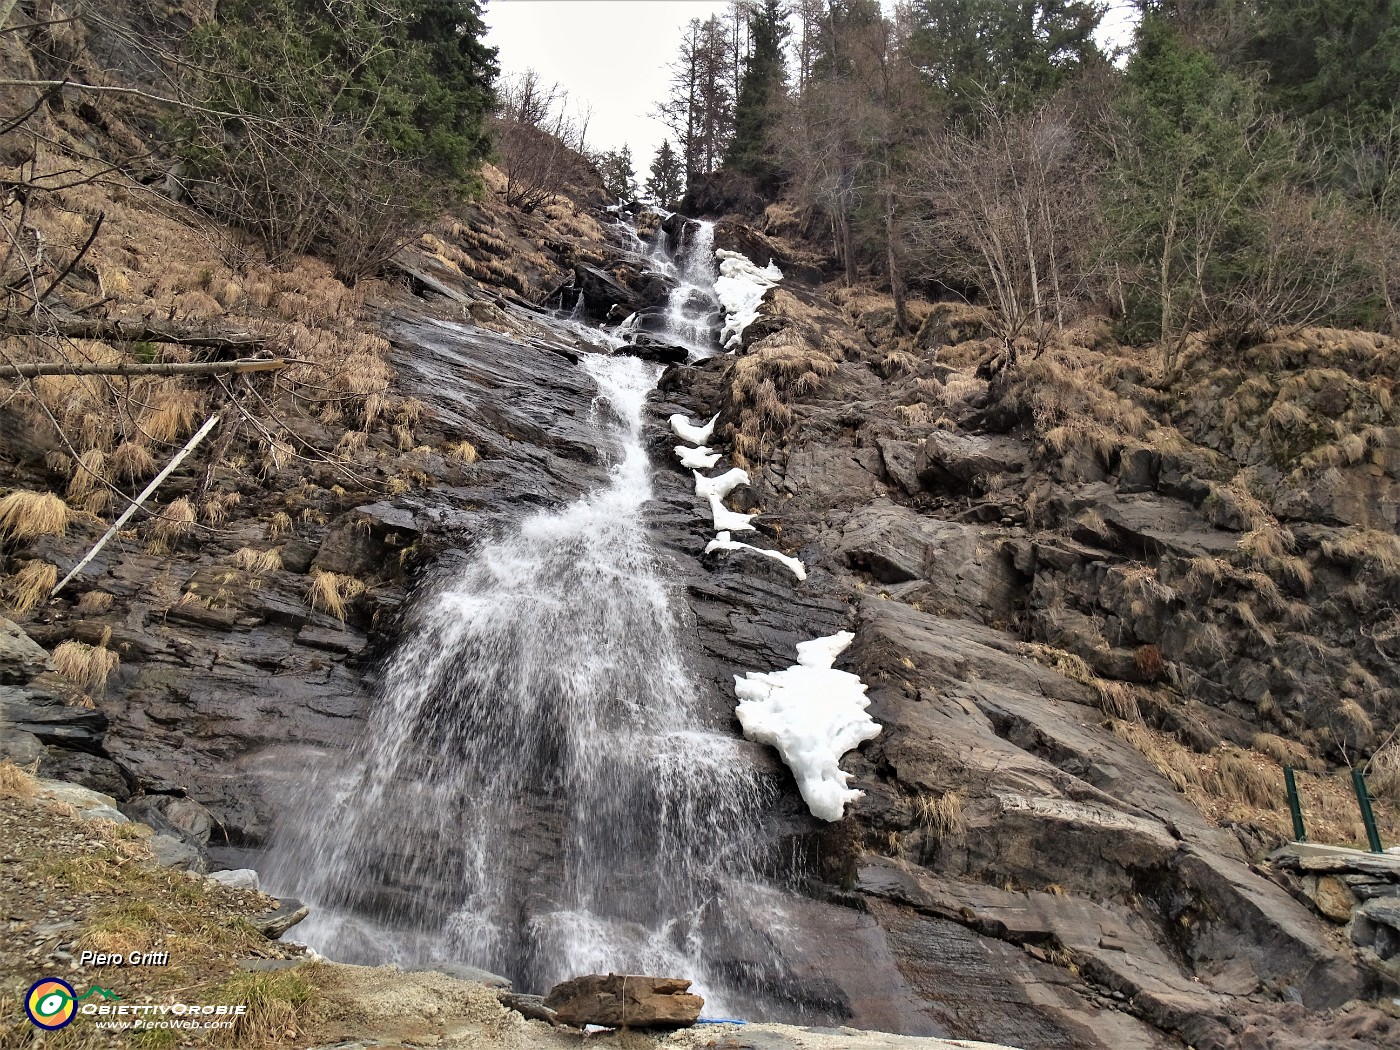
763,85
699,109
620,181
667,181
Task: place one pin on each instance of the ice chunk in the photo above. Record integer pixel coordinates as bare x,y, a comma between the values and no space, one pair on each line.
723,542
740,288
721,486
688,431
701,458
728,520
813,715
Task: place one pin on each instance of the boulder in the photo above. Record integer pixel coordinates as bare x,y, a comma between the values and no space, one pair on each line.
89,770
21,658
625,1001
601,292
20,747
91,805
237,878
955,461
1376,925
172,852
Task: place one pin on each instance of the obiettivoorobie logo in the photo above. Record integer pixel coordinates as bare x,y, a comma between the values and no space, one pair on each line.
51,1002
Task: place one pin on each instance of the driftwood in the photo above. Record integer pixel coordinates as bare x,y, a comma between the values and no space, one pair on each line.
203,368
115,331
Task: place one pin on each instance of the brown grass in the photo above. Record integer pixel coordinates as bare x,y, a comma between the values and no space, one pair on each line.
170,525
86,665
463,450
94,602
258,562
16,781
1286,752
1383,771
941,815
329,592
28,515
29,588
131,460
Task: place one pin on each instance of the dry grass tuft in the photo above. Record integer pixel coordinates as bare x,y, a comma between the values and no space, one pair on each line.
167,528
280,1006
1286,752
131,460
258,562
16,781
942,816
1246,778
86,665
172,413
215,509
279,525
464,451
330,591
28,515
1383,771
29,588
94,602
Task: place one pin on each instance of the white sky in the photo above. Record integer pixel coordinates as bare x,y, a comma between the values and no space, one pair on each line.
613,55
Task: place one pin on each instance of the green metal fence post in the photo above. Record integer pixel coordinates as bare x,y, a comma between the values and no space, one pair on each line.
1363,798
1295,809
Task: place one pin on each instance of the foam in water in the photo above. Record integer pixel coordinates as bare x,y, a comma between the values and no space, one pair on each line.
539,792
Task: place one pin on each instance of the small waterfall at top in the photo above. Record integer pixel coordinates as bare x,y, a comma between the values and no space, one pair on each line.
540,790
693,311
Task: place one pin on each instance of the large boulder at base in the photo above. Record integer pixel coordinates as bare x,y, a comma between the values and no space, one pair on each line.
625,1001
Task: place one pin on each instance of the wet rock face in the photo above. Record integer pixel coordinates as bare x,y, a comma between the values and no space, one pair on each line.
1008,841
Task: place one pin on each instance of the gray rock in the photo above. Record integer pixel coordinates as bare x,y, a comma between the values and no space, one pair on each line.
189,817
21,658
172,852
91,805
531,1007
237,878
288,913
91,771
954,461
20,747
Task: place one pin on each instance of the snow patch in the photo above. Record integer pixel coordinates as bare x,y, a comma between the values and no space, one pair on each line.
701,458
721,486
740,288
723,542
684,429
727,520
813,715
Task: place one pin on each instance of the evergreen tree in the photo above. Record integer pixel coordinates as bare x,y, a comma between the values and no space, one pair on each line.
764,84
667,181
620,181
699,108
1010,53
1336,59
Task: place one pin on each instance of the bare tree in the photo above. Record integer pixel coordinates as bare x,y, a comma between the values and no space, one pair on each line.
538,140
1012,211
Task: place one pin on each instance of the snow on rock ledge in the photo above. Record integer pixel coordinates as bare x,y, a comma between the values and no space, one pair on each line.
684,429
740,288
702,458
813,715
725,542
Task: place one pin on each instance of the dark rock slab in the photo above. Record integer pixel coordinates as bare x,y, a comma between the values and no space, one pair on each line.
51,720
954,461
287,914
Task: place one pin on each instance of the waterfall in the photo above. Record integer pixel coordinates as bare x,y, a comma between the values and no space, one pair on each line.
693,312
540,790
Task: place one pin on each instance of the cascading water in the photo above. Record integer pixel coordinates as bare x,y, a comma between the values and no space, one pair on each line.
692,309
540,791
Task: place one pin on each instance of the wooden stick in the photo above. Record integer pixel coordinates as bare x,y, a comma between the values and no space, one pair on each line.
110,331
209,425
204,368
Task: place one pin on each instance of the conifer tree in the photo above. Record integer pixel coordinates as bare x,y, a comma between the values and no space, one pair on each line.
620,181
765,80
667,180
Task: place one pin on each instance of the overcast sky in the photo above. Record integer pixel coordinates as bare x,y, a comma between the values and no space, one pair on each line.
612,55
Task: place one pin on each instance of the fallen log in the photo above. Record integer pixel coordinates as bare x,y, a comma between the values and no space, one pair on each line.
201,368
109,330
